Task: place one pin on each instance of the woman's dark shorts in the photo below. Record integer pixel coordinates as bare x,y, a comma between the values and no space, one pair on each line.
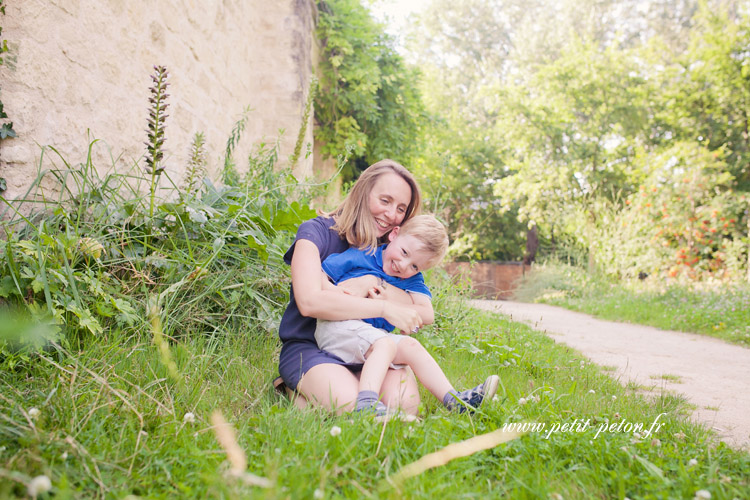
297,357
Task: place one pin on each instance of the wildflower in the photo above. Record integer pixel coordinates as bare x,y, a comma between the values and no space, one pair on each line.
655,443
64,456
318,493
702,495
680,436
616,416
692,462
90,247
34,413
614,398
522,401
592,391
189,418
38,485
335,430
556,496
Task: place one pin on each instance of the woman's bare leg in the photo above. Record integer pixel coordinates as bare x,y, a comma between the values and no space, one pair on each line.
329,386
400,390
410,352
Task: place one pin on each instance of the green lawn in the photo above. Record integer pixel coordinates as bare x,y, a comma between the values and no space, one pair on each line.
111,423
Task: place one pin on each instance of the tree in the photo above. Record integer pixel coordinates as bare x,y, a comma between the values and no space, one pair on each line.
368,101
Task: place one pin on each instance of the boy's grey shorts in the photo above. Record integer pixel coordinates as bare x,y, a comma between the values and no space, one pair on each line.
351,339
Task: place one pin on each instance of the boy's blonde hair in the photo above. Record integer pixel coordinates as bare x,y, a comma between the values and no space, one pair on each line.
431,232
353,218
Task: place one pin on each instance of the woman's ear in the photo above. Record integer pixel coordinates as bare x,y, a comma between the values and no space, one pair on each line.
394,232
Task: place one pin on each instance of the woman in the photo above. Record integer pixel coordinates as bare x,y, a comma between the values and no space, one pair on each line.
384,196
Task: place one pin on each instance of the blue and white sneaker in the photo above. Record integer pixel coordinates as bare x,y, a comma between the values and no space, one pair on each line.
471,399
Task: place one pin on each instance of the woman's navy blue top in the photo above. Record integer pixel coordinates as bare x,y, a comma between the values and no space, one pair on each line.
299,352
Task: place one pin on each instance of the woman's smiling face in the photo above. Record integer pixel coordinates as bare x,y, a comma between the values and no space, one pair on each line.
389,200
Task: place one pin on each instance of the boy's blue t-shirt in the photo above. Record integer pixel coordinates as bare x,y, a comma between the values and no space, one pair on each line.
354,263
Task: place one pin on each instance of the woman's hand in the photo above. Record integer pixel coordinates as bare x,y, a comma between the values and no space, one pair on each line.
404,318
359,287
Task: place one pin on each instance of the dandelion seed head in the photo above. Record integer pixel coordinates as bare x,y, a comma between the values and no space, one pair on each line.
335,430
39,485
189,418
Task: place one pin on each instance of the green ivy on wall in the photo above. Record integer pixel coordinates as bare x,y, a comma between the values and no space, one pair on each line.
368,99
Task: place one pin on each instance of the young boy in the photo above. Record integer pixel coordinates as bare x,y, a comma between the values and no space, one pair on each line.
416,246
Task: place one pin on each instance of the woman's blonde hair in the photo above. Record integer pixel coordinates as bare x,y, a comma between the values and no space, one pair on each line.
353,218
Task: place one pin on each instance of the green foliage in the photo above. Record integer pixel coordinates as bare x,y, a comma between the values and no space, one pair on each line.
368,99
576,102
456,175
685,219
102,255
311,93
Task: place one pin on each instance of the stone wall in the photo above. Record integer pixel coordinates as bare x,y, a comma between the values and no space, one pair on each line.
80,70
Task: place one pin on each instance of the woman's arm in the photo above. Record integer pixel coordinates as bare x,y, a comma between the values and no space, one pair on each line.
313,301
416,301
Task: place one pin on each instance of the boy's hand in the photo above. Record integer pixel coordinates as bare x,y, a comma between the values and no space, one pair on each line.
376,292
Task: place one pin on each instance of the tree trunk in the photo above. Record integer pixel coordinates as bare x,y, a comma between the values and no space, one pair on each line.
532,244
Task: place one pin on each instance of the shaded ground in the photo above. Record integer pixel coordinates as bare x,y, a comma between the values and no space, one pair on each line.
713,375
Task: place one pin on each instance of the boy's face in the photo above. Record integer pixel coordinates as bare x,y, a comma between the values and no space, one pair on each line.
404,256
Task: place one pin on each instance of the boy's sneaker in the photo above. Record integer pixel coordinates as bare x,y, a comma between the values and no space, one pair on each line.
473,398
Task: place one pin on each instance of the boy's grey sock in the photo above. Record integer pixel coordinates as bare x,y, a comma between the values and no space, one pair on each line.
366,399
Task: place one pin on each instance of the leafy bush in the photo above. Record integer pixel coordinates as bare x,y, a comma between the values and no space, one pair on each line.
684,220
100,257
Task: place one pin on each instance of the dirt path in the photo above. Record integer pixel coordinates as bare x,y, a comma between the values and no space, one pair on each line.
713,375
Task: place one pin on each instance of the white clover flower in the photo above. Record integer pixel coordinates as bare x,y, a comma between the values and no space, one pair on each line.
522,401
679,435
702,495
692,462
592,391
494,398
614,398
189,418
335,430
34,414
64,456
556,496
38,485
318,493
655,443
